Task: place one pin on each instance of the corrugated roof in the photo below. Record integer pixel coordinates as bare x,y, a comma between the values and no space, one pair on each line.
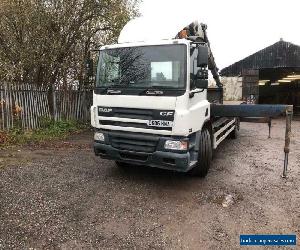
279,55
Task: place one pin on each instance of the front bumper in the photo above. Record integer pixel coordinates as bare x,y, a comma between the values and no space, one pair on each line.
180,162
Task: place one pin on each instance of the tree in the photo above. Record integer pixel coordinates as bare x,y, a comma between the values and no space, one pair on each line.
46,42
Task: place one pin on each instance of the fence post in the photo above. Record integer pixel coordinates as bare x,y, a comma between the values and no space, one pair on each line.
54,103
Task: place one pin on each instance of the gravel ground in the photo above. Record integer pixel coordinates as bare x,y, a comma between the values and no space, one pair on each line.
59,195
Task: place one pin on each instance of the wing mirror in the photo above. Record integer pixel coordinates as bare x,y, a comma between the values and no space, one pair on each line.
202,58
201,83
202,74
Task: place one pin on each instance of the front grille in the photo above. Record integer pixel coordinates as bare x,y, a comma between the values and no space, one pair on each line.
141,114
137,114
123,124
132,124
134,157
133,113
133,142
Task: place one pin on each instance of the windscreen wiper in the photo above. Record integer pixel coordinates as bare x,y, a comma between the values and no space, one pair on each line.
110,91
113,91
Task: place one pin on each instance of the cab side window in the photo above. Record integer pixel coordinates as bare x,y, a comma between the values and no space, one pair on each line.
193,67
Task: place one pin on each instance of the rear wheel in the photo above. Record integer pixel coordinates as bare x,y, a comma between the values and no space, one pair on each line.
204,155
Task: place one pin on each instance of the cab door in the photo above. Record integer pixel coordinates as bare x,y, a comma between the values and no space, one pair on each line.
198,104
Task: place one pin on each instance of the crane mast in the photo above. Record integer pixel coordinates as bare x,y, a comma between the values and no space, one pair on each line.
197,33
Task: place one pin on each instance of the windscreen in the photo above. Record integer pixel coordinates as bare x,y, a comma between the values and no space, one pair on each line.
162,66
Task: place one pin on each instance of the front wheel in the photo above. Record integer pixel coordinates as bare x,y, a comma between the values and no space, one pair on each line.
204,155
121,164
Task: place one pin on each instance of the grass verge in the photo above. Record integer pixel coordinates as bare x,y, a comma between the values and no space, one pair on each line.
49,130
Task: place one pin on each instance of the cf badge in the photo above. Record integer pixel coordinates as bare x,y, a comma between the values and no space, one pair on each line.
166,113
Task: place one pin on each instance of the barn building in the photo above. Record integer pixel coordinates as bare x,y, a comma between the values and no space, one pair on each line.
269,76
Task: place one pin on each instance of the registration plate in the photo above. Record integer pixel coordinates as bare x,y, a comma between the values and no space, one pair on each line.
160,123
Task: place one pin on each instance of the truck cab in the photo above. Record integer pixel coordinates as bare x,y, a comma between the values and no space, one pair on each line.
150,106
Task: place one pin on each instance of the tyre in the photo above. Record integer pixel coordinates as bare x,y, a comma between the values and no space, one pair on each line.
121,164
234,133
204,155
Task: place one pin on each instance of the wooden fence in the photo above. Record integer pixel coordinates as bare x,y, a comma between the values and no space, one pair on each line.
25,105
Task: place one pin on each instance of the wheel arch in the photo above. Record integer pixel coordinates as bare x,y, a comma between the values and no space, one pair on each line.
206,125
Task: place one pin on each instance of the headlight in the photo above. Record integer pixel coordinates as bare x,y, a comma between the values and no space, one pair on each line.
176,145
99,136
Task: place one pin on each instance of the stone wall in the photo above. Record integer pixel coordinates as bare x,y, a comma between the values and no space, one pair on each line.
232,88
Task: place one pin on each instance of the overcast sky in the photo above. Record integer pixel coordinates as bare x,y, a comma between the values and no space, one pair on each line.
236,28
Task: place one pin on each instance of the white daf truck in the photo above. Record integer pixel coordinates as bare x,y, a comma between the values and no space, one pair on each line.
151,104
